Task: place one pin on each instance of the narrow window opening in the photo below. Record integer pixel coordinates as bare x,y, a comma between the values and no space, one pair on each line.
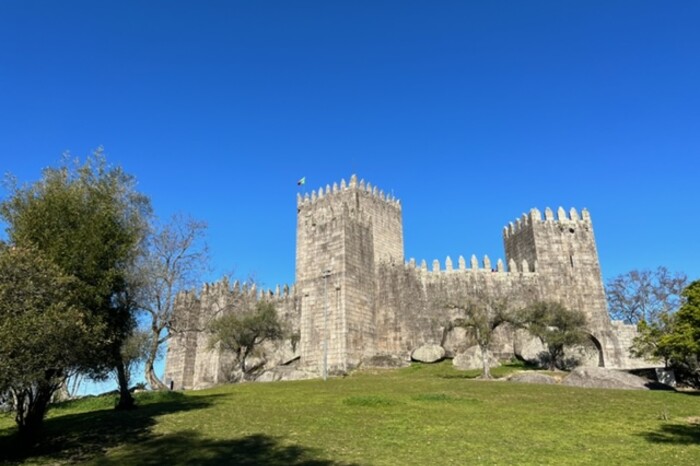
571,259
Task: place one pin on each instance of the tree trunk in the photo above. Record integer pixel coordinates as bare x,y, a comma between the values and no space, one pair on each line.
486,368
126,401
151,377
30,411
554,355
243,357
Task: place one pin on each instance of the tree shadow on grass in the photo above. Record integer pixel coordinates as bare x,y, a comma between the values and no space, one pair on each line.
675,434
186,448
79,437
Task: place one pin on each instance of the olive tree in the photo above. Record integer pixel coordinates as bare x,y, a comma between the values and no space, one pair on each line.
44,332
88,220
242,331
483,311
557,328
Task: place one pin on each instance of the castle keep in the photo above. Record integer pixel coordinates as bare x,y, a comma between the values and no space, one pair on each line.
357,300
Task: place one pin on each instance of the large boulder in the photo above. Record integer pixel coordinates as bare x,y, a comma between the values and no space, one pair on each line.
428,353
471,359
285,373
455,341
526,346
600,377
532,377
501,344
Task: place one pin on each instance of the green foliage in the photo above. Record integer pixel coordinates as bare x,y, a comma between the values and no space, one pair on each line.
43,332
648,342
483,313
241,332
135,350
688,320
557,327
679,342
89,221
675,338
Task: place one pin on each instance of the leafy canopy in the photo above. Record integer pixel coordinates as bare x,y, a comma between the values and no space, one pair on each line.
680,344
89,221
242,332
557,327
41,327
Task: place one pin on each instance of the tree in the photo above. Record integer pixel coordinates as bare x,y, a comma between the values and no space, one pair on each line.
43,333
645,295
244,331
557,327
688,322
90,222
135,350
678,341
483,313
648,342
174,257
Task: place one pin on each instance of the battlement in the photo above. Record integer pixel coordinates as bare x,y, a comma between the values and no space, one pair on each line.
223,287
331,192
533,217
474,266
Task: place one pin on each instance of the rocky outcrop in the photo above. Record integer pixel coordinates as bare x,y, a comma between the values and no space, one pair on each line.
527,347
285,373
599,377
471,359
532,377
428,353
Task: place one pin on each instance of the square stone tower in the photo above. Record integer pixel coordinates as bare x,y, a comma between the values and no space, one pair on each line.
343,234
563,253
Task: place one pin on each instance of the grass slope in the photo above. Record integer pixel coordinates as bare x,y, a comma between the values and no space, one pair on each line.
418,415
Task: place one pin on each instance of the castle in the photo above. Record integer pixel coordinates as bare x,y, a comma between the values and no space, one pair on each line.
357,300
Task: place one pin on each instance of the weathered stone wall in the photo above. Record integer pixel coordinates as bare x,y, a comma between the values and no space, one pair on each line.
415,305
192,364
563,250
346,231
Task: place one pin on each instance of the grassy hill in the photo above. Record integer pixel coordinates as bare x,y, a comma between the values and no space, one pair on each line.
421,415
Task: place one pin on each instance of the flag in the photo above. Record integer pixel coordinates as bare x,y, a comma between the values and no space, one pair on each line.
302,181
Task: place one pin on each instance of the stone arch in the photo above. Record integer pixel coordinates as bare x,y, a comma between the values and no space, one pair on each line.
589,353
599,348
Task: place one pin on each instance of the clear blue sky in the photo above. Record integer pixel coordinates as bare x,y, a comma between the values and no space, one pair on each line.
471,112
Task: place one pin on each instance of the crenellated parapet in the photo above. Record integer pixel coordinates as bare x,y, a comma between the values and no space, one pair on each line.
214,290
335,192
485,266
527,220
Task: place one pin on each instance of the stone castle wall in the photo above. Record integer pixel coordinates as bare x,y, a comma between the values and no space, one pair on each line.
355,297
191,361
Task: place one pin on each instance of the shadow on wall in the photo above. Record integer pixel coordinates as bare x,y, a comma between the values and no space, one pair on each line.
86,437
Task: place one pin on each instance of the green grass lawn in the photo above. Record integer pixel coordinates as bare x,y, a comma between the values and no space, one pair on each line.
422,415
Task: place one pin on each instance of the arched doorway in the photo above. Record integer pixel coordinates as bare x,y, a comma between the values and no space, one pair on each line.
589,353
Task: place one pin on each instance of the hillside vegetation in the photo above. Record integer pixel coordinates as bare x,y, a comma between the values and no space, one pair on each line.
419,415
